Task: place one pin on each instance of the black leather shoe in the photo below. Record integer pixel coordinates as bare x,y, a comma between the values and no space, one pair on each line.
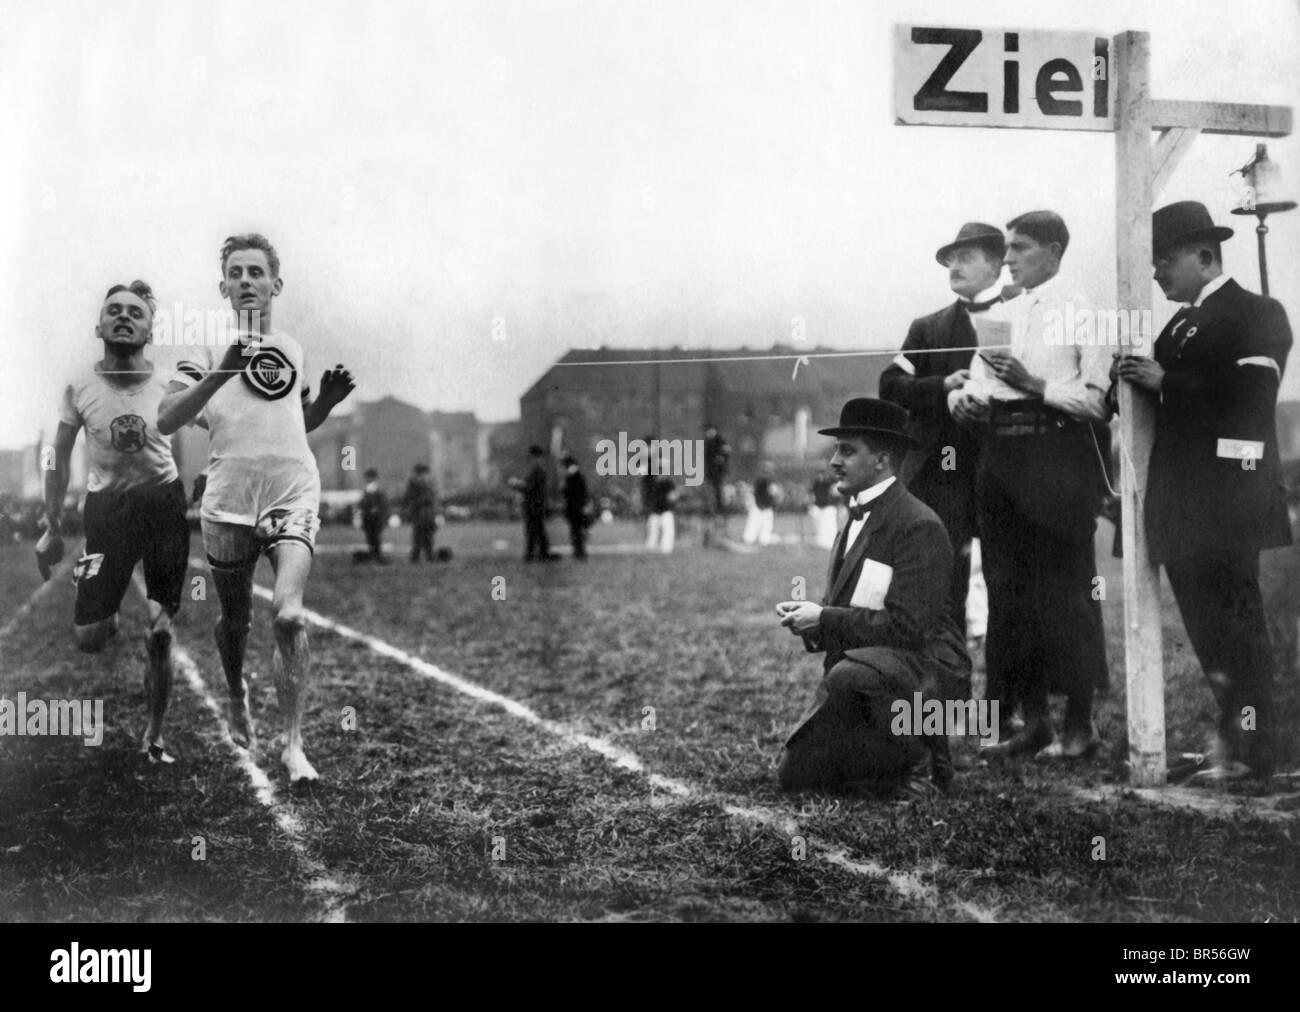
1036,735
941,772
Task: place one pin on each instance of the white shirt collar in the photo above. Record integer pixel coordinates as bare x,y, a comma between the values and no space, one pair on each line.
874,492
1210,288
989,293
1045,290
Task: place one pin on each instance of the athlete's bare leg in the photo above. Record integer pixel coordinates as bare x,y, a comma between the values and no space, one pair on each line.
292,664
158,676
92,638
235,591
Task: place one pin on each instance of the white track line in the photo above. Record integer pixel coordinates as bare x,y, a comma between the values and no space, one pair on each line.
37,594
907,884
332,890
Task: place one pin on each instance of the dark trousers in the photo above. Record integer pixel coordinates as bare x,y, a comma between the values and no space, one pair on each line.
1045,630
578,535
374,530
953,503
1223,611
536,543
848,742
422,539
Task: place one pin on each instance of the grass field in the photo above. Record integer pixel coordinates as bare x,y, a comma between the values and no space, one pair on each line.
440,805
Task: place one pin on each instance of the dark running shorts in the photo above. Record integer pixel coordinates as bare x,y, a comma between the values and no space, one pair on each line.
122,528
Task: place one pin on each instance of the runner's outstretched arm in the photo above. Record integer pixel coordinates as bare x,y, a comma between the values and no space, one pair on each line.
335,385
182,404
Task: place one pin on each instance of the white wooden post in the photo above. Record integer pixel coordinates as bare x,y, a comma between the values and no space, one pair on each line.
1143,661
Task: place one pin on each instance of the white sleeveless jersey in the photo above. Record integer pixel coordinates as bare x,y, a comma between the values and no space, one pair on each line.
258,458
123,444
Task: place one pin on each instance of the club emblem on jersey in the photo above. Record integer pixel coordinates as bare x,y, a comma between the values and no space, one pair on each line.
127,433
269,373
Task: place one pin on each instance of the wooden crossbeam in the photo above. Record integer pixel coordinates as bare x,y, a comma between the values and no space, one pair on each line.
1169,149
1222,117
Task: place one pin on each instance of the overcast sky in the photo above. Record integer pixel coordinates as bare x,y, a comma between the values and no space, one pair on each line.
694,173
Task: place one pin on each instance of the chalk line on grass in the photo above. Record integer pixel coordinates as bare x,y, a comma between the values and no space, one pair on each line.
908,885
1202,800
333,890
26,607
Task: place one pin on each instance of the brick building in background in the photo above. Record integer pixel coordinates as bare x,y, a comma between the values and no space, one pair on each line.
762,411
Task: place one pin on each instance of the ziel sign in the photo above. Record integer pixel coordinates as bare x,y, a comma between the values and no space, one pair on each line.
972,77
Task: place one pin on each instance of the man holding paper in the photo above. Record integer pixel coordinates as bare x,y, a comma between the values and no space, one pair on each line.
935,360
1038,492
884,624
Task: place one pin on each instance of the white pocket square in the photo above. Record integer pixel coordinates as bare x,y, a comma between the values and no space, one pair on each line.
873,585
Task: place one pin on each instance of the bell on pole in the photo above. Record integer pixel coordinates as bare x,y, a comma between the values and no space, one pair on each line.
1265,194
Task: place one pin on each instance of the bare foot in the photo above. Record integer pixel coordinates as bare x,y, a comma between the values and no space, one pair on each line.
156,752
241,723
295,761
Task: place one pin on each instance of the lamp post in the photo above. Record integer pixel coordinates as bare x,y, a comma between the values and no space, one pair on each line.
1262,198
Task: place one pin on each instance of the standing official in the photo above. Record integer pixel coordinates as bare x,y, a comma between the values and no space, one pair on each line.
941,471
1038,492
1214,496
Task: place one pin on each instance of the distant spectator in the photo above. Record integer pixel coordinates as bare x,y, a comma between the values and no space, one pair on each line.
575,506
374,515
536,543
824,509
761,522
420,504
661,524
717,458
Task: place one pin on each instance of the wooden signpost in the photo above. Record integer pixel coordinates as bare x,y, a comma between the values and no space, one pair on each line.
972,77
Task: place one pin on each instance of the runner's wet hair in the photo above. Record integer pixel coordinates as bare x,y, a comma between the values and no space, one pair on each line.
138,288
250,240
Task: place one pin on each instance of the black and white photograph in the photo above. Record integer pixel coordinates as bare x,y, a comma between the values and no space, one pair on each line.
651,462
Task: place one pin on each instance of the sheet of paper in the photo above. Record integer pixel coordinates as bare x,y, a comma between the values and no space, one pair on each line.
873,585
991,333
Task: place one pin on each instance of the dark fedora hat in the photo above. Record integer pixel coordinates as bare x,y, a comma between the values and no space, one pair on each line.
1183,222
971,234
867,416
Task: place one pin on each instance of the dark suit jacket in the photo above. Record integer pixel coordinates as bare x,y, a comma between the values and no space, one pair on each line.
1199,495
915,628
951,493
575,495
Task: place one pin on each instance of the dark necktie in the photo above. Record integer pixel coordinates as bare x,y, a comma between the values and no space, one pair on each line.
858,512
980,307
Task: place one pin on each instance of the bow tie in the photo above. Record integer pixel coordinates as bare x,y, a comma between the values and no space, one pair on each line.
858,512
979,307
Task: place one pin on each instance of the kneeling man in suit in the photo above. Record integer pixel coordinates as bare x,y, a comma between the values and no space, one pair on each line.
885,625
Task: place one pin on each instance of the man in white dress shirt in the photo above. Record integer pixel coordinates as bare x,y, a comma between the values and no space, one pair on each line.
1038,492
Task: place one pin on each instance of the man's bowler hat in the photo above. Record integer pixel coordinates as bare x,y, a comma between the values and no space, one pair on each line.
867,416
1183,222
974,233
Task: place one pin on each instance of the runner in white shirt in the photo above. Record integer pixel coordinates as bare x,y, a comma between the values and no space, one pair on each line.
135,504
263,489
